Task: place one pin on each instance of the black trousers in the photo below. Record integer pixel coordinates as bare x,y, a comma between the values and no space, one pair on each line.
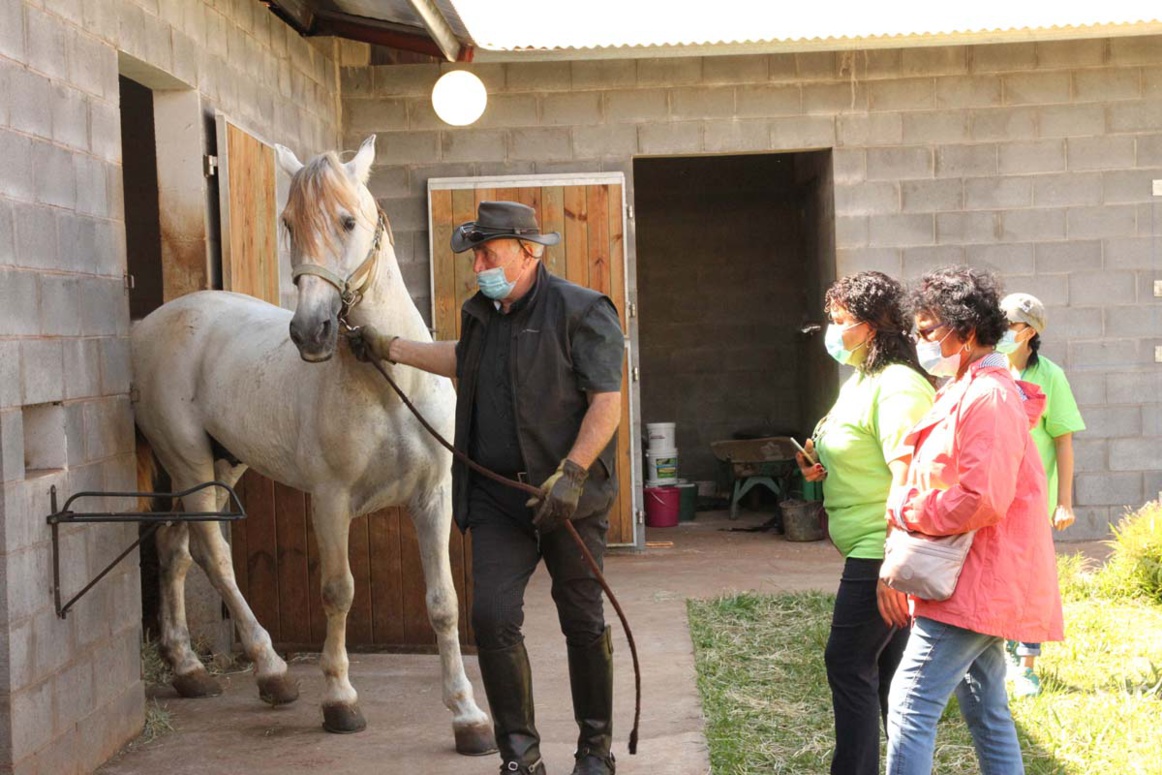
862,654
505,552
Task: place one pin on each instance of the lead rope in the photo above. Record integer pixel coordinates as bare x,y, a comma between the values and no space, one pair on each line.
585,554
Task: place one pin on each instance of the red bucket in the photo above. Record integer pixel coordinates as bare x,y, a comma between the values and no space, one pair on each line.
662,506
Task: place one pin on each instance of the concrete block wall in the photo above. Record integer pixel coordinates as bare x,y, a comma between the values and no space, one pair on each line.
70,690
1030,159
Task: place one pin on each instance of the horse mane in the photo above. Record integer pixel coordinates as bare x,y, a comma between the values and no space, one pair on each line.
317,192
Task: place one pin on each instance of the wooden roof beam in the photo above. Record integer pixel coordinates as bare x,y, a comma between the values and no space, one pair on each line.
308,20
438,27
299,14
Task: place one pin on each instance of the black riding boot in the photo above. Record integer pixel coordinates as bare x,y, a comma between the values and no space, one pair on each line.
508,683
591,679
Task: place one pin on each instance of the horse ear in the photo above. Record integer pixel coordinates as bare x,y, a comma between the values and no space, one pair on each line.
360,166
287,160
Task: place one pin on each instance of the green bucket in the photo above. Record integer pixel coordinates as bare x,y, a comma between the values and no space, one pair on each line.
688,500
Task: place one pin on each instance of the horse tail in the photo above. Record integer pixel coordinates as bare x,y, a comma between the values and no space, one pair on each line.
149,472
146,470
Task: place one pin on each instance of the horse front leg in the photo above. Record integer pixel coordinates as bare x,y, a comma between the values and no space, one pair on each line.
332,523
432,516
212,553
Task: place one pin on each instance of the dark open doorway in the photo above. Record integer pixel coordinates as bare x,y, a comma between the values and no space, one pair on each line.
142,216
143,258
733,256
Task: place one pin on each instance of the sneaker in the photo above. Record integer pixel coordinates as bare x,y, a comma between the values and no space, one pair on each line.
1013,667
1026,684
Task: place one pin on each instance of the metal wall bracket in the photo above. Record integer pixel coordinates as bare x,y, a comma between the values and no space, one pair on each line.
153,519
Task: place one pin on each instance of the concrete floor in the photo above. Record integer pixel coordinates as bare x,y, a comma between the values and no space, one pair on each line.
409,731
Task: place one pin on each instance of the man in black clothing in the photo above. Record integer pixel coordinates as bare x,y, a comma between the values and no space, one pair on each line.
539,365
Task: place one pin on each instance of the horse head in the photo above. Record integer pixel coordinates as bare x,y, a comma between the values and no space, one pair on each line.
336,232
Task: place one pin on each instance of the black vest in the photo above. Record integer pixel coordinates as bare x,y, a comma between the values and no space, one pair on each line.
549,405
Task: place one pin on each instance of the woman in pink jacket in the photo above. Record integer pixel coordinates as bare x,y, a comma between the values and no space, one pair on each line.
973,467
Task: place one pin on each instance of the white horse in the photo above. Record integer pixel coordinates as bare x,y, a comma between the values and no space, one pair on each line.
222,387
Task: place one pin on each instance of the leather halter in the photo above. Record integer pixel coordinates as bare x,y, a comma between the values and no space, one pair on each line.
351,288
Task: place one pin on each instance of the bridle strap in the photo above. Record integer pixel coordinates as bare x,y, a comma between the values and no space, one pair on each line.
319,271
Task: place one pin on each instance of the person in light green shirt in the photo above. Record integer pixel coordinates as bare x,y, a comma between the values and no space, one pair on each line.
1053,435
857,445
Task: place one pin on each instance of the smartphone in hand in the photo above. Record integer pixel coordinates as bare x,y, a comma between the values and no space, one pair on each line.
810,458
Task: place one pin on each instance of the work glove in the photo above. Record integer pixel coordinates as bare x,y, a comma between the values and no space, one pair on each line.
559,496
367,343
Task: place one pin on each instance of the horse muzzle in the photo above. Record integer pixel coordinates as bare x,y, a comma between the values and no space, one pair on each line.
315,339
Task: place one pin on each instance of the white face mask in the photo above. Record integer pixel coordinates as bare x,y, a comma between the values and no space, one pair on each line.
933,360
1008,343
833,341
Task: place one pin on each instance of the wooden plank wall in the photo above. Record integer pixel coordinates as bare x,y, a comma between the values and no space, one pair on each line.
276,562
591,253
250,265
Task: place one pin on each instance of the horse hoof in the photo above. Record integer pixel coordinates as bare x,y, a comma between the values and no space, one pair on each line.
278,690
343,719
475,740
197,684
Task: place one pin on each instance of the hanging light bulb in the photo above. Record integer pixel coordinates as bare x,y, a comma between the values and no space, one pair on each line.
459,97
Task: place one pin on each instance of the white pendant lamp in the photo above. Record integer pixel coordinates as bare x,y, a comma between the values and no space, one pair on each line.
459,97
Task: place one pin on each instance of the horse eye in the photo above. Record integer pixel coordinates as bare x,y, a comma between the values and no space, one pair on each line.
349,223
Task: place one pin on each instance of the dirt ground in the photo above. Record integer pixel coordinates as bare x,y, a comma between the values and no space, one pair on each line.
409,730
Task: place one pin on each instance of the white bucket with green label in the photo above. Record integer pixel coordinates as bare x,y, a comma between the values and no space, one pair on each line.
662,467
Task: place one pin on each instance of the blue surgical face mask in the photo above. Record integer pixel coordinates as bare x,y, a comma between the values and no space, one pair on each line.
833,341
933,360
1007,343
494,283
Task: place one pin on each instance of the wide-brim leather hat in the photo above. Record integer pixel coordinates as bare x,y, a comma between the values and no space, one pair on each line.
501,220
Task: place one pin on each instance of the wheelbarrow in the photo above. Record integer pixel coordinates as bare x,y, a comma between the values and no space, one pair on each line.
756,463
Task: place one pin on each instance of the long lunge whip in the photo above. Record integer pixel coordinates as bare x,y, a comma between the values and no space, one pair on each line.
585,553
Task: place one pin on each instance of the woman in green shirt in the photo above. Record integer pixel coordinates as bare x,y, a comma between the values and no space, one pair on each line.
1053,435
857,444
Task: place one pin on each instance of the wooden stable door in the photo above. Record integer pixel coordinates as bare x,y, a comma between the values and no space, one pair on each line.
275,553
588,212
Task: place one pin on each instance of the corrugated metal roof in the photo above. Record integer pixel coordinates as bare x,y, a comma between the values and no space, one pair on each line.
637,27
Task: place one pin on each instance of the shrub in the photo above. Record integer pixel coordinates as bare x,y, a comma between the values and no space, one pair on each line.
1134,570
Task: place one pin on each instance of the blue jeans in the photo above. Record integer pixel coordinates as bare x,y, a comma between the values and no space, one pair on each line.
939,660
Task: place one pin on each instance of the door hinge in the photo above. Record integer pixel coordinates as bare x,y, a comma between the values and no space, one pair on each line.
209,165
641,517
631,309
629,212
130,282
637,374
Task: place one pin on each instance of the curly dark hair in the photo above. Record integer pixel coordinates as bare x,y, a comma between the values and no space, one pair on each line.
876,299
965,299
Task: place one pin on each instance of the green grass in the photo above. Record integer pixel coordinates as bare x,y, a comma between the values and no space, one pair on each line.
768,708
